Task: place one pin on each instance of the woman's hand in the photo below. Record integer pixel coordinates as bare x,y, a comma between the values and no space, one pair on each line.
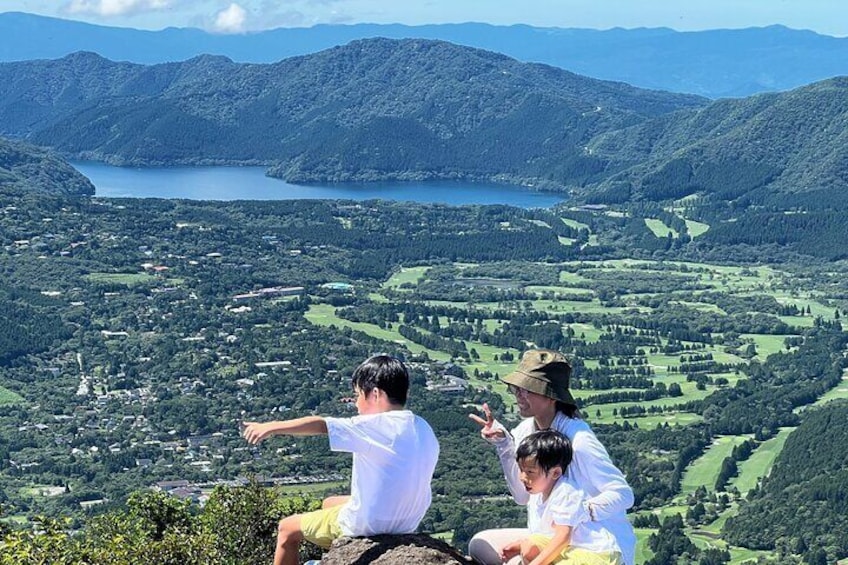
488,430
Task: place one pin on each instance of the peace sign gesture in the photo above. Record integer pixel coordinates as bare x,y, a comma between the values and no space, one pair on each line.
489,430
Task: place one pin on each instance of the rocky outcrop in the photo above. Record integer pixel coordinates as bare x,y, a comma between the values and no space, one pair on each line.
409,549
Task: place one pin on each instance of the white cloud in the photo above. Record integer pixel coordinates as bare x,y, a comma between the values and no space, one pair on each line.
116,7
231,20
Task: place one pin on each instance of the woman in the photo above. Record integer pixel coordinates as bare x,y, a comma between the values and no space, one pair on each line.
540,385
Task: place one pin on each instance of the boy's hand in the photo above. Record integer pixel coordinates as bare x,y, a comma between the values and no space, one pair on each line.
510,550
254,432
489,430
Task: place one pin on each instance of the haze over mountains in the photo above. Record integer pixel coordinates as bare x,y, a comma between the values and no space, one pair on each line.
715,63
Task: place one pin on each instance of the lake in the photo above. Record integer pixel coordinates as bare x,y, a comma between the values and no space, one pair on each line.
250,183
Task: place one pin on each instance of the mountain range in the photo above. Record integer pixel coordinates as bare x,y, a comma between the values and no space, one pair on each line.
713,63
373,109
383,109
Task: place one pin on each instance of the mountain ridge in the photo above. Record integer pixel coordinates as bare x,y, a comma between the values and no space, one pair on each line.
712,63
384,109
375,108
795,141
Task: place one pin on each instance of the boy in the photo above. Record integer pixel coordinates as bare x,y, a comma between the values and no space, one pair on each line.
394,456
561,532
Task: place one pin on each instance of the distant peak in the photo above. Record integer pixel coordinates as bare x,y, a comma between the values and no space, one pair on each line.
415,45
84,56
211,59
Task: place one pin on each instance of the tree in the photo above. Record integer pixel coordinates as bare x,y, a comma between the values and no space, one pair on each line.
245,521
817,556
714,556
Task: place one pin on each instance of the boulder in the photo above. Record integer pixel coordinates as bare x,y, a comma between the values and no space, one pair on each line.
392,549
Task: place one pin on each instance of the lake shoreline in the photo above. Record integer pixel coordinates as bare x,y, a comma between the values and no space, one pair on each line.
244,182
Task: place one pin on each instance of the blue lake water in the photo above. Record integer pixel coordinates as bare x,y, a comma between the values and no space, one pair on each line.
250,183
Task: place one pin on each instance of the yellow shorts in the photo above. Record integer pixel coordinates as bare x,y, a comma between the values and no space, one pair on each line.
321,527
578,555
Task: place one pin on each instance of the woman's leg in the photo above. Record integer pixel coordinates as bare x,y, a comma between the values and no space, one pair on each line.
485,547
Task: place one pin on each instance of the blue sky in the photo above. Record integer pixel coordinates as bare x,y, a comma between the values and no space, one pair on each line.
829,17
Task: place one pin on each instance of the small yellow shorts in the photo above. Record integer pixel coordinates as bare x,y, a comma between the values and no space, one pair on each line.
321,527
577,555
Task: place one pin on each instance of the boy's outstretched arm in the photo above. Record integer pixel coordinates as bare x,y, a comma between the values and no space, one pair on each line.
254,432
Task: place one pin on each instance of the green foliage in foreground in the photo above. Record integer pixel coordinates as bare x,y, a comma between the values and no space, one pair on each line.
236,527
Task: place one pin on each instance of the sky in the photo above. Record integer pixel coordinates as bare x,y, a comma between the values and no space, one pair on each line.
828,17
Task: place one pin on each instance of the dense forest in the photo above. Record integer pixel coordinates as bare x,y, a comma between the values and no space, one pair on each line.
802,503
27,168
737,148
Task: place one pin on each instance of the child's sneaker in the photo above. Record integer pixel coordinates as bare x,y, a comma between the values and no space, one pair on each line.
312,562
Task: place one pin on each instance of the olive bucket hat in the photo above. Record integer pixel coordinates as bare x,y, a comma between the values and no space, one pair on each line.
544,372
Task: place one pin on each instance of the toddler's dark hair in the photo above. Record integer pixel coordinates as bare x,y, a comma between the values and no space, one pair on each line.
548,448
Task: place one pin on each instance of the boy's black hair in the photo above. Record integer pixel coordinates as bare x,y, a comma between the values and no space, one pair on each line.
548,448
386,373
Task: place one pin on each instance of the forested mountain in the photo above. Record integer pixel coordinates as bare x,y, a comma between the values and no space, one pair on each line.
712,63
789,142
414,109
372,109
802,504
24,167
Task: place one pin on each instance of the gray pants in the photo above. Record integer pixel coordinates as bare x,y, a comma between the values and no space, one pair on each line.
485,547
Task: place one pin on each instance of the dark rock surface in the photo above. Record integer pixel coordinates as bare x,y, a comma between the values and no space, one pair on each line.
409,549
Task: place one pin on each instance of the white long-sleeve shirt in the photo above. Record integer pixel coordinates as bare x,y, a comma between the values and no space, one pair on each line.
591,469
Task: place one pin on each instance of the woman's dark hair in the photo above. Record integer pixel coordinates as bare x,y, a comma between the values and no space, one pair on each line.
569,410
548,448
386,373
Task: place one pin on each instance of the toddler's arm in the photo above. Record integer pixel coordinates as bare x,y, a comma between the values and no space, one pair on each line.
560,540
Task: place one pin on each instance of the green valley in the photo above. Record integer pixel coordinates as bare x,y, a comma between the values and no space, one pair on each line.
151,349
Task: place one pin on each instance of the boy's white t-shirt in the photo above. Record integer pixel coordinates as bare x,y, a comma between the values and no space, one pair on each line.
565,507
394,456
